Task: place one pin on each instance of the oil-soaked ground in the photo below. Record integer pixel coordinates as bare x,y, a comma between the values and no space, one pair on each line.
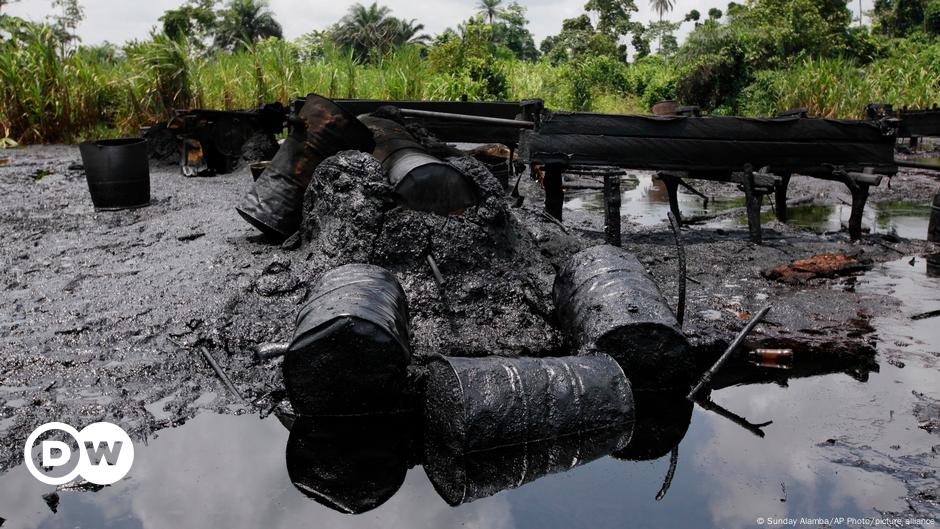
103,315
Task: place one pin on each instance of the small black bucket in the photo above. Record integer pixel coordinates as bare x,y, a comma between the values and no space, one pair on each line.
118,172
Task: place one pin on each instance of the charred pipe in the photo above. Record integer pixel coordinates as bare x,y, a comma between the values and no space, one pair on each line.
475,404
421,181
319,130
607,302
351,347
463,478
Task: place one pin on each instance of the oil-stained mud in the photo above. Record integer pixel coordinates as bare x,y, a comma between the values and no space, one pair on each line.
105,315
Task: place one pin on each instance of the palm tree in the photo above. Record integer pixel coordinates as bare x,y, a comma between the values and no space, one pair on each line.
489,9
367,30
662,7
245,22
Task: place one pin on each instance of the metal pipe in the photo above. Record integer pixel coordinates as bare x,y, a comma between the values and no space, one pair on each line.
707,377
918,165
468,118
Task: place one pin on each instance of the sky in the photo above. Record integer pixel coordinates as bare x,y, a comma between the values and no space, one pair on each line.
118,21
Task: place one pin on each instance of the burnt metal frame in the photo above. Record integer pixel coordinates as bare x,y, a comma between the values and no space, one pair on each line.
856,153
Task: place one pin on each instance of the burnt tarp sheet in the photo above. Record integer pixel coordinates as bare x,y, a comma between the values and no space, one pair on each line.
462,478
351,346
807,145
474,404
919,123
605,301
449,130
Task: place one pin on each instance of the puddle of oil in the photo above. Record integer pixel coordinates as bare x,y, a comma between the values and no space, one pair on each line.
644,201
231,471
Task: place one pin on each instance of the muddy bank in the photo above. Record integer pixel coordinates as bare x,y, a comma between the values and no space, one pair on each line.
105,314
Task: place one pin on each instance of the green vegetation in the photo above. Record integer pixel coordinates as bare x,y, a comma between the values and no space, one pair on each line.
755,58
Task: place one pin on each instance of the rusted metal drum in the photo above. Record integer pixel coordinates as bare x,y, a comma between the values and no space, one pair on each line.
462,478
606,302
665,108
350,464
319,130
118,172
933,230
474,404
421,181
351,347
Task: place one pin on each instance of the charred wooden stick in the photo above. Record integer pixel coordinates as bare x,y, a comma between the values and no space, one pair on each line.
670,474
226,381
680,305
755,429
707,377
438,278
612,210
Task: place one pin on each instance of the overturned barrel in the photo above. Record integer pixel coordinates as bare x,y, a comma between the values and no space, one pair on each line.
350,464
474,404
421,181
462,478
319,130
351,346
606,302
662,421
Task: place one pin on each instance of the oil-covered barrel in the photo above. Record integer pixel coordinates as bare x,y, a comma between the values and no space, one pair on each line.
605,301
462,478
319,130
662,420
350,464
474,404
351,346
118,172
933,265
933,230
421,181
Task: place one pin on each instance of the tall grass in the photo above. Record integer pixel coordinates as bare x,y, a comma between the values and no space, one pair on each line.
47,95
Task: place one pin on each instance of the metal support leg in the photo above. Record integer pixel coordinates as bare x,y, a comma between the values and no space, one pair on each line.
859,198
753,201
612,209
672,189
554,191
780,197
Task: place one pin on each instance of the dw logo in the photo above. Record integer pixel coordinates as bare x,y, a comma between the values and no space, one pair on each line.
105,454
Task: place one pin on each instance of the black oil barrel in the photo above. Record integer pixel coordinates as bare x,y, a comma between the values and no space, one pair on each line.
351,346
474,404
662,420
462,478
421,181
118,172
318,130
605,301
350,464
933,230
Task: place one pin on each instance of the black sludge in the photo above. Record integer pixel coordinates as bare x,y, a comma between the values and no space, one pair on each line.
351,346
349,464
474,404
606,302
462,478
421,182
319,130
